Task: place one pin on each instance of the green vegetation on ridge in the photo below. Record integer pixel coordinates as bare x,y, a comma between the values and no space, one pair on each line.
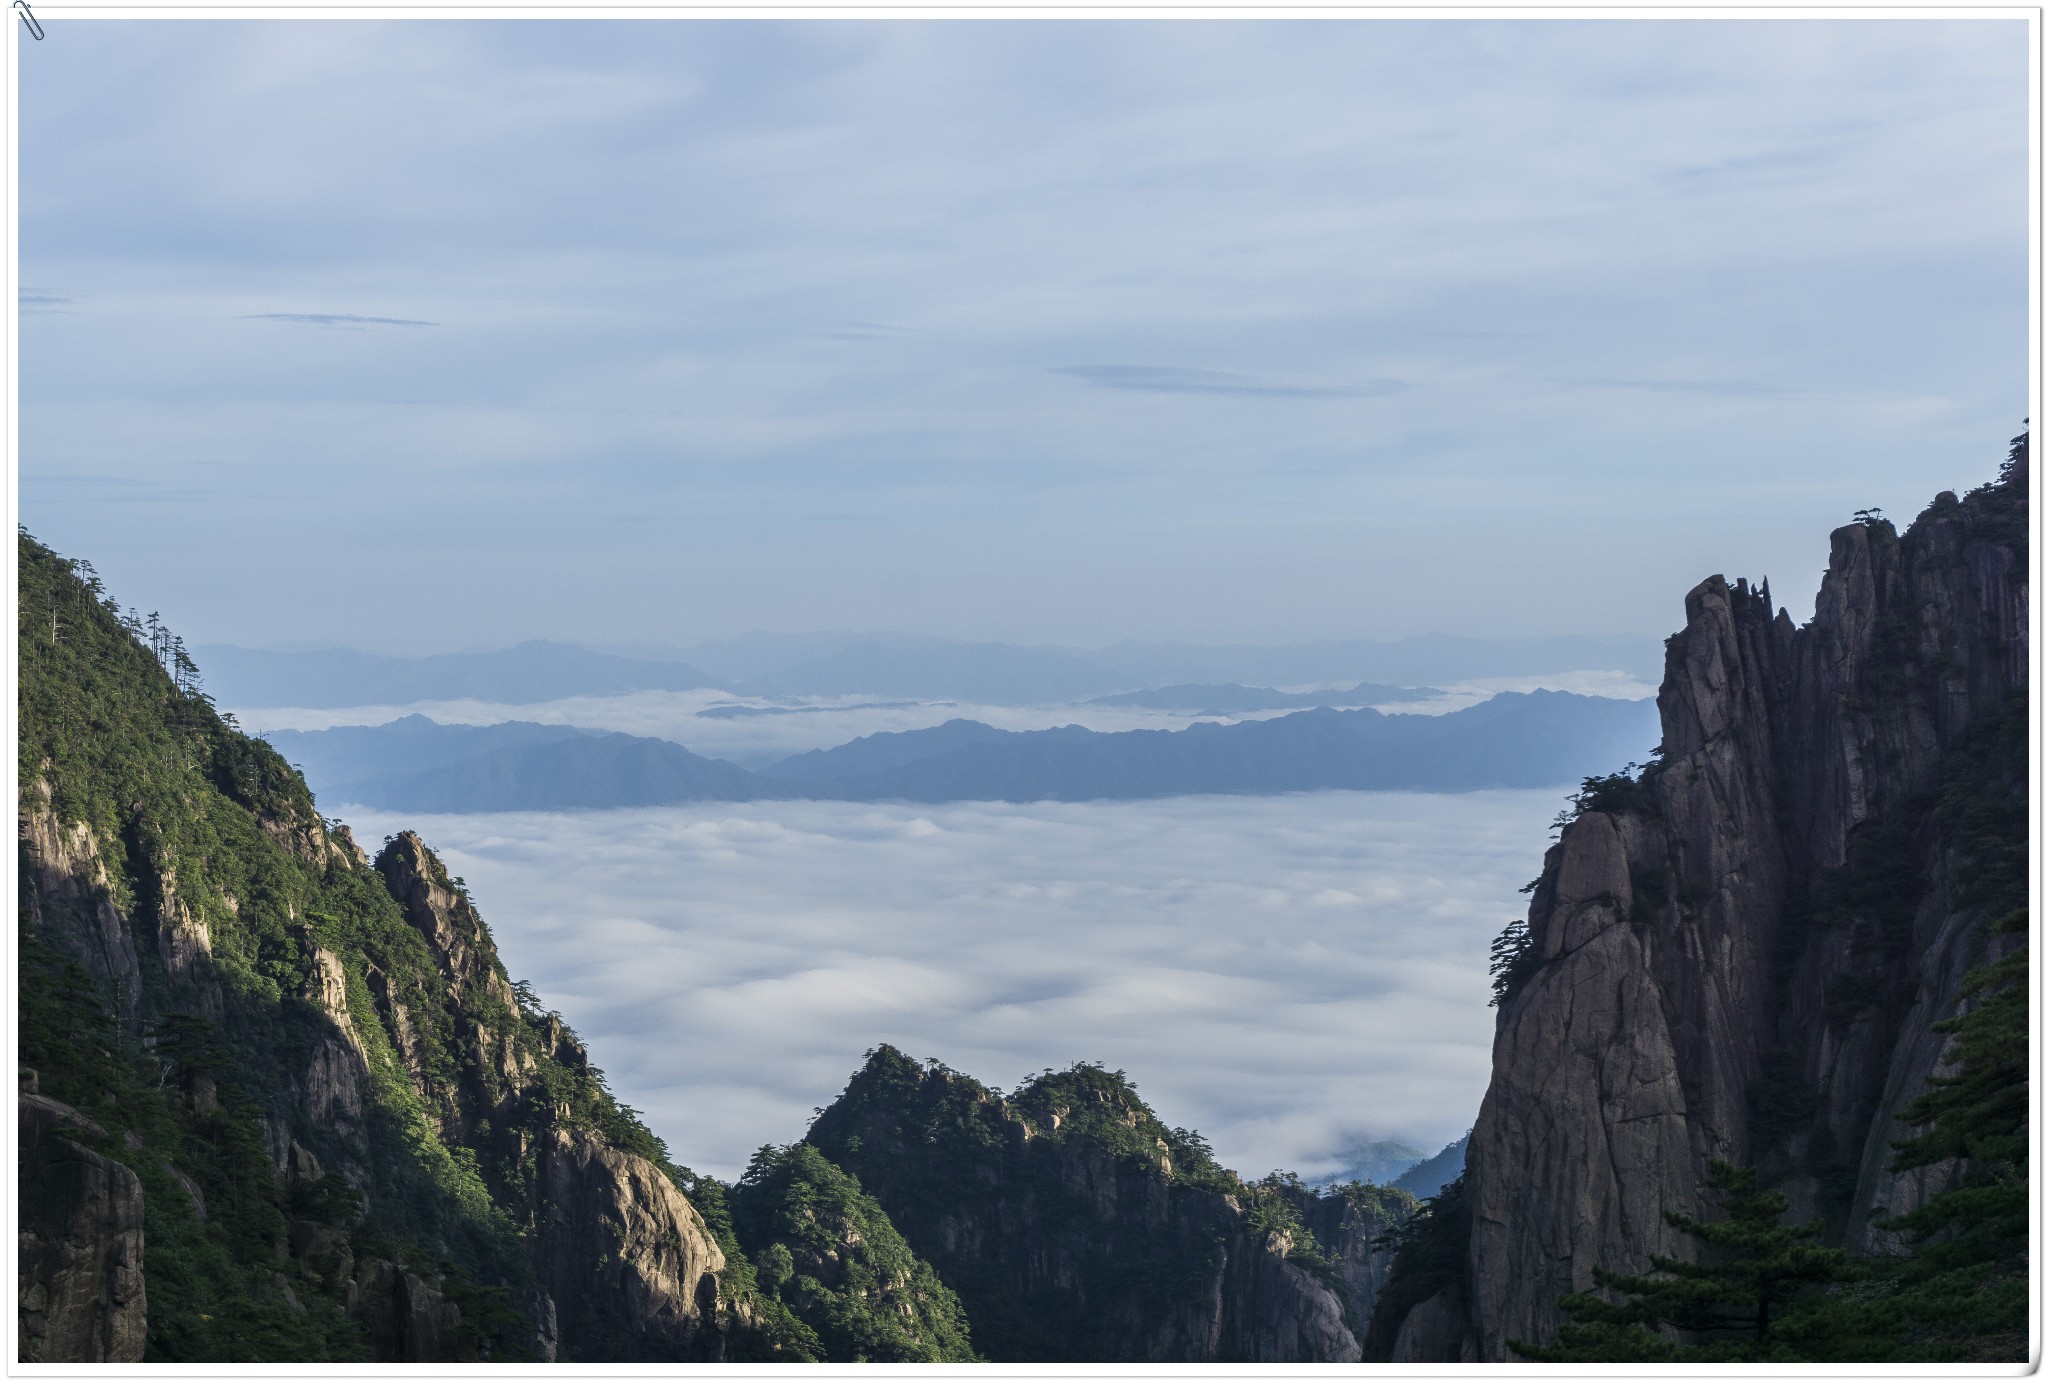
827,1251
230,886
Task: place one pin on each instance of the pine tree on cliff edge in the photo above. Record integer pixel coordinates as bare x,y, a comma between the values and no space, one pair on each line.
1733,1304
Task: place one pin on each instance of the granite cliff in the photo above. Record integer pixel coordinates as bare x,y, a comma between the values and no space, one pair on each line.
1741,952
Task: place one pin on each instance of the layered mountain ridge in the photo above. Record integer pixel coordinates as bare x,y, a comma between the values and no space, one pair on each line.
1513,740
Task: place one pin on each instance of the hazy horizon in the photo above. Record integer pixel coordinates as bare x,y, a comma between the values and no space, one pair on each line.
680,648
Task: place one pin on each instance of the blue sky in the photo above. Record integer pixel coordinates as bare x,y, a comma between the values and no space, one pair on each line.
424,335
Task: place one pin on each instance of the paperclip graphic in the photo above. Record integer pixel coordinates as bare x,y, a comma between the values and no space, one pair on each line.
28,17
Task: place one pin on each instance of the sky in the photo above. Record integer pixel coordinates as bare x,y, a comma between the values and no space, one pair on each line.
417,335
1294,976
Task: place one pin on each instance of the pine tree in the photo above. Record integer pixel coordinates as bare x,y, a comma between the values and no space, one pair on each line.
1728,1307
1967,1277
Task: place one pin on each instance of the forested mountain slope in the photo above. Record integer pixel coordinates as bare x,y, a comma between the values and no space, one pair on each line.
280,1101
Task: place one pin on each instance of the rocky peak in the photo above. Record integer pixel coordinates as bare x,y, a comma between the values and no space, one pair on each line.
444,916
1710,928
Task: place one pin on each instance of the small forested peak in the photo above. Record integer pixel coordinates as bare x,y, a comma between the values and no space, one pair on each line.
894,1099
890,1088
1089,1101
890,1068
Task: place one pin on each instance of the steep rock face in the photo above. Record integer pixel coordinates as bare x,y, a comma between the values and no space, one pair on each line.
627,1265
1072,1228
1347,1224
1437,1331
72,900
625,1256
1276,1311
81,1291
335,1092
185,947
1769,920
461,944
406,1319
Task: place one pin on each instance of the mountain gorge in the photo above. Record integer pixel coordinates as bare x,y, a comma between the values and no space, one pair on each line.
280,1099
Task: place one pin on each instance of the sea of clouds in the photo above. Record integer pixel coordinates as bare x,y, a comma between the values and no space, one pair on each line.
1290,975
812,723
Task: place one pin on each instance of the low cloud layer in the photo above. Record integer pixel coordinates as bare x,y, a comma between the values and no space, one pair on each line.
1289,975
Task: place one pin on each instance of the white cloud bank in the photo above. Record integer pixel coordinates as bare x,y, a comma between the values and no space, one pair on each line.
1286,974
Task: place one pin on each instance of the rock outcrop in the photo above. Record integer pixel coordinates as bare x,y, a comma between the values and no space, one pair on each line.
625,1256
1741,954
71,899
81,1290
626,1263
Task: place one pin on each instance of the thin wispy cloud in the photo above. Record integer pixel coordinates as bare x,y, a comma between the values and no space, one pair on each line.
41,302
89,490
867,331
1164,379
1734,389
336,319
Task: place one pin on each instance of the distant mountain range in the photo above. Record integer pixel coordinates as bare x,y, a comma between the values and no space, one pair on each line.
1379,1162
893,666
1433,1174
1515,740
1404,1166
